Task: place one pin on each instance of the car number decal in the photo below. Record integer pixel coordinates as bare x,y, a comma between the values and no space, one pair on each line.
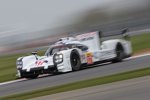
39,63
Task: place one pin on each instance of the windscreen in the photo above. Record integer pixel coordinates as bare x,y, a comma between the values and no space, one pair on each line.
53,50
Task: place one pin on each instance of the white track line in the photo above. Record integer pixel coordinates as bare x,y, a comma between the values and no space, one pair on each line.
13,81
18,80
138,56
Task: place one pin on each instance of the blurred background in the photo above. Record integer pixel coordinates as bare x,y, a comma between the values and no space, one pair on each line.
27,25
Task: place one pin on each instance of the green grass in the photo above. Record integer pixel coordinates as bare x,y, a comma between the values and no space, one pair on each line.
141,42
80,84
8,66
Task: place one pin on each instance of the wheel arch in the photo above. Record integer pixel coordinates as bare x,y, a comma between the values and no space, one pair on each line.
111,44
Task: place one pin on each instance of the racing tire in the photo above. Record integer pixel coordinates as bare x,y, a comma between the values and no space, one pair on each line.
119,53
75,60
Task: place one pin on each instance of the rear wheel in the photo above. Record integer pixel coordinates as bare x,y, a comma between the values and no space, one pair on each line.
119,53
75,60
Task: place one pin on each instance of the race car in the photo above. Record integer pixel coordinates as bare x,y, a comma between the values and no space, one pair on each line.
71,53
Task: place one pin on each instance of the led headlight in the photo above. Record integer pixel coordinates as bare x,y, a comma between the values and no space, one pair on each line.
19,64
58,58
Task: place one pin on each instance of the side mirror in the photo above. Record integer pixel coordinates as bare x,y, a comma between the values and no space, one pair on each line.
34,53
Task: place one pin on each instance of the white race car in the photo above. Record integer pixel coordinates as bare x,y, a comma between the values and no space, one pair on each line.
69,54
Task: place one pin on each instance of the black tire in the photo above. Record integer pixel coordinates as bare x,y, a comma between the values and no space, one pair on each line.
119,52
75,60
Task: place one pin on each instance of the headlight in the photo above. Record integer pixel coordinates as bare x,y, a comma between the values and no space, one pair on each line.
58,58
19,64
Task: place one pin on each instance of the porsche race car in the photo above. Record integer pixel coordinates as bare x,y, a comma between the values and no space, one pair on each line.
71,53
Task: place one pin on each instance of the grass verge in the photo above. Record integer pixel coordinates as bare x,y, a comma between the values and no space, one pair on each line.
140,42
8,67
80,84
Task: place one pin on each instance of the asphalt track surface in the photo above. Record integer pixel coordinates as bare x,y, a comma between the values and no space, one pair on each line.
133,89
91,72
